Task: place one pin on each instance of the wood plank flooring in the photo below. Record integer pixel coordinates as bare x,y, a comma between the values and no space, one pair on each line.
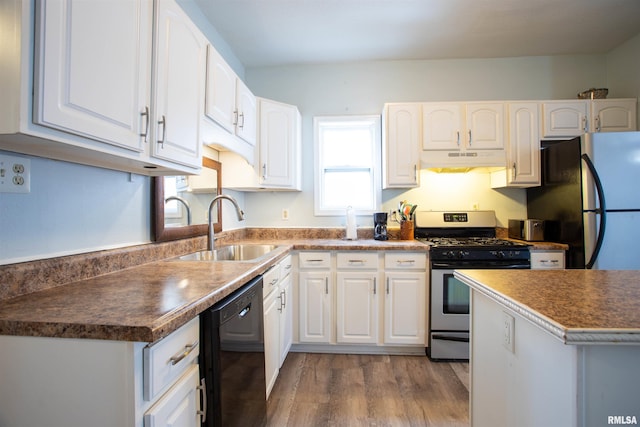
369,390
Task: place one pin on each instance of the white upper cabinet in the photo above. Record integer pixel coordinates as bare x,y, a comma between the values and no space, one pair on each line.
613,115
220,102
91,80
246,113
279,141
565,119
97,97
180,53
523,148
453,126
230,109
401,145
463,134
568,119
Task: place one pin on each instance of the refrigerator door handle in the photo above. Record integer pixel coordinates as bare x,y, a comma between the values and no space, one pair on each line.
601,210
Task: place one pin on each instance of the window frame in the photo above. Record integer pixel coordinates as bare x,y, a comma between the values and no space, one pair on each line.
375,124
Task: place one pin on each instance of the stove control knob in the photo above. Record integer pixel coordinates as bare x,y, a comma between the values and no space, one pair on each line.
499,254
460,254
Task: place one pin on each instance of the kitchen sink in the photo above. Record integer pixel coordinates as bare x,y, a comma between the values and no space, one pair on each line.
231,253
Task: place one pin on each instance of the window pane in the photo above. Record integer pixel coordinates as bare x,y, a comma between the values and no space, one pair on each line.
350,147
344,189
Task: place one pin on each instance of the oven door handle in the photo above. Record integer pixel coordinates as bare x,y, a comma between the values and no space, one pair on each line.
449,338
451,266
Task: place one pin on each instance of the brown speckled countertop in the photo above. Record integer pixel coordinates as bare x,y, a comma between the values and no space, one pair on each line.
576,306
145,301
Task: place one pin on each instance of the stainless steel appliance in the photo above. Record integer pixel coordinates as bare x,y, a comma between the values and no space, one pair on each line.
589,196
531,230
232,361
460,240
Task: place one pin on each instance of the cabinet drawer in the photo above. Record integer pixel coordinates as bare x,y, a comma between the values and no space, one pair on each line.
170,357
405,261
270,279
181,403
547,260
357,260
314,259
285,267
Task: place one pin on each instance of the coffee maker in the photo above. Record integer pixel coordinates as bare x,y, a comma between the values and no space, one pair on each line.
380,226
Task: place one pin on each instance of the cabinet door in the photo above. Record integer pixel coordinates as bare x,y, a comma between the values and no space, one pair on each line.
484,126
279,137
220,98
442,126
613,115
564,119
523,152
286,317
357,307
180,71
93,62
315,309
405,308
271,339
401,145
179,406
246,120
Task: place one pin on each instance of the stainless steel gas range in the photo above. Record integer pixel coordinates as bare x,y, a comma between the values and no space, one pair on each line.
460,240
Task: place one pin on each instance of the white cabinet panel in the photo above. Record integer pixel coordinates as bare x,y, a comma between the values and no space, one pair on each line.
179,86
357,307
564,118
405,308
401,145
316,306
180,406
91,80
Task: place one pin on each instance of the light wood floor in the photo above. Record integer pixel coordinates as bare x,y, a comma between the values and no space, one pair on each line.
365,390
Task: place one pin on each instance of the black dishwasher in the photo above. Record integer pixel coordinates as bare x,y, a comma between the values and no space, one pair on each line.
232,359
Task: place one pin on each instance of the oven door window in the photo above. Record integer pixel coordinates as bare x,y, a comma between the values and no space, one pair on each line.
456,296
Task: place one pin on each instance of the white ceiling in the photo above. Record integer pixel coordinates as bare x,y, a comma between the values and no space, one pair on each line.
279,32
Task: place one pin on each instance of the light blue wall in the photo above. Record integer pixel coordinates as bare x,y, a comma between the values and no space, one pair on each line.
75,209
363,88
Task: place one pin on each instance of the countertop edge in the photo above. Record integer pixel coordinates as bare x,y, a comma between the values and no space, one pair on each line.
570,336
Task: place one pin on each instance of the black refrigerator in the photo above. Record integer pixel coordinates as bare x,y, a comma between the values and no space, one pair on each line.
590,198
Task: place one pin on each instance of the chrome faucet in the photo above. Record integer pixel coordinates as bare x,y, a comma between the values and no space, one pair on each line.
184,202
211,243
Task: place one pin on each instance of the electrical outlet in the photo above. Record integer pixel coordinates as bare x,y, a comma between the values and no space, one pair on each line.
508,331
475,206
15,174
285,214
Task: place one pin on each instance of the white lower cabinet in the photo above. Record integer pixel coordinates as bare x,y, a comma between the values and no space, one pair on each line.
357,297
101,383
547,259
278,319
405,300
378,299
315,297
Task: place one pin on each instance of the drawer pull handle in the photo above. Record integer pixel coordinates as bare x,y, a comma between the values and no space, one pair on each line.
374,285
187,350
357,261
273,282
315,260
203,388
287,267
406,261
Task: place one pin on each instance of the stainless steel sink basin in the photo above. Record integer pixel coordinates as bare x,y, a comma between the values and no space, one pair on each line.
231,253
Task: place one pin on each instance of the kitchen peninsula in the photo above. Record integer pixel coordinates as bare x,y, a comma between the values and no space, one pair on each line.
554,348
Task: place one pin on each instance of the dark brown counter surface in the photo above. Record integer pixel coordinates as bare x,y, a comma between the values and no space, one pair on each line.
149,301
576,306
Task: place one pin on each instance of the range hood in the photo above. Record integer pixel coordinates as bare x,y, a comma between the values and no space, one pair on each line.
462,161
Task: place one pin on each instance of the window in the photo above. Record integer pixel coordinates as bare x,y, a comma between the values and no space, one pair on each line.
347,157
